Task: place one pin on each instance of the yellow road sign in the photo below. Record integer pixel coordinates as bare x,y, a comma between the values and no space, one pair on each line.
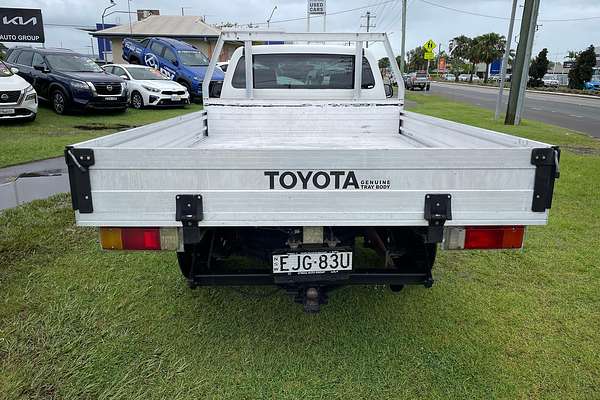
429,45
428,55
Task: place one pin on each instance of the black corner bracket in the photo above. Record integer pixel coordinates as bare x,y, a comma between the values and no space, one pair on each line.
438,210
546,161
78,162
189,210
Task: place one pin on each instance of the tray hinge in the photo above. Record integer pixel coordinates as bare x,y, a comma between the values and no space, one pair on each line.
546,161
78,162
437,211
189,210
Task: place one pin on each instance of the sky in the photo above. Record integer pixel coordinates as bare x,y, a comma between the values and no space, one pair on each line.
425,19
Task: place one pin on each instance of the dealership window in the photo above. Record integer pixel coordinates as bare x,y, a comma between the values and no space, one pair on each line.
303,71
25,58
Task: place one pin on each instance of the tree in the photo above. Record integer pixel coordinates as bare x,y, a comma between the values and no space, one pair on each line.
583,68
489,47
416,59
459,55
572,55
384,63
473,55
461,47
538,68
456,66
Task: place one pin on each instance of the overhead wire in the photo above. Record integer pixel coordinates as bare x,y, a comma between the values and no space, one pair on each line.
504,18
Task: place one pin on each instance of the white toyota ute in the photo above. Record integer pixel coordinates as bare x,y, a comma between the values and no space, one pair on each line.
304,158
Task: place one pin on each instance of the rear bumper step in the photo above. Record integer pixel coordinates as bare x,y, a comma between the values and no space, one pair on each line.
370,277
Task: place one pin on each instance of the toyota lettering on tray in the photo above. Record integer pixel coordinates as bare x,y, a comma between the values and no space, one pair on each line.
21,25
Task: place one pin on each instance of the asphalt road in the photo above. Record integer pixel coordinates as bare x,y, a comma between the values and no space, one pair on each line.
576,113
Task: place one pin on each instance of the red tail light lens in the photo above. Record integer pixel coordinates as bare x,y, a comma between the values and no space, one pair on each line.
494,237
140,238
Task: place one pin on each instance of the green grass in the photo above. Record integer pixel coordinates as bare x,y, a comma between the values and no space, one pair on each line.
79,323
47,136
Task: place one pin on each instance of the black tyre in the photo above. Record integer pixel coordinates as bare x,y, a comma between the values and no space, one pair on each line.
31,119
427,87
59,101
137,101
188,88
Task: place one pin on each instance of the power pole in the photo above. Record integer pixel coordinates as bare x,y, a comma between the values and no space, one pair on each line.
521,65
402,47
368,16
505,59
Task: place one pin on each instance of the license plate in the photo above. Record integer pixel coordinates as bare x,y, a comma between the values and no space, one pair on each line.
111,98
7,111
312,262
175,97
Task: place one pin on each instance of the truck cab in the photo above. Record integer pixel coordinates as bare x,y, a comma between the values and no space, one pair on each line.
300,71
175,59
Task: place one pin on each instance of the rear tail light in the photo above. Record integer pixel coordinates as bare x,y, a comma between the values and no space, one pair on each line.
484,237
139,238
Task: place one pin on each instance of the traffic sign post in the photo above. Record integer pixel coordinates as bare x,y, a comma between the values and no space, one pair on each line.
428,55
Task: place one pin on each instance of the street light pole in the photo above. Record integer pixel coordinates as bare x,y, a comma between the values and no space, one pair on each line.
521,64
505,59
271,16
402,47
129,14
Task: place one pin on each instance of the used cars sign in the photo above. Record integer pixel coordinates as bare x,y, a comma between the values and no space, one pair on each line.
21,25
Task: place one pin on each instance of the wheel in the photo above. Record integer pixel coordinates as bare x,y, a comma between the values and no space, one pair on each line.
427,87
59,101
137,101
188,88
31,119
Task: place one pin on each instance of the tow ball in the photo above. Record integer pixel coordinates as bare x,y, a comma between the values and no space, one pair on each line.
311,298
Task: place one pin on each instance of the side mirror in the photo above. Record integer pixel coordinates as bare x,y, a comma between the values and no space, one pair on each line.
389,90
41,68
14,70
124,77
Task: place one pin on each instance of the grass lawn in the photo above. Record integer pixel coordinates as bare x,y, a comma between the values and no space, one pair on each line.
79,323
21,142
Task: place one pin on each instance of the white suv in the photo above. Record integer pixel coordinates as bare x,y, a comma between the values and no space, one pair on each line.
18,99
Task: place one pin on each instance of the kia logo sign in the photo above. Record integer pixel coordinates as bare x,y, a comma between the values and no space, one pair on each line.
19,21
4,97
21,25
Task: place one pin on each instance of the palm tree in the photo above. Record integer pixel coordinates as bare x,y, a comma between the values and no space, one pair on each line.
572,55
490,47
460,52
473,55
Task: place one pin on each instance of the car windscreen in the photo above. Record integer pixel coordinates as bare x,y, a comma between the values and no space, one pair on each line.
303,71
192,58
147,74
4,70
72,63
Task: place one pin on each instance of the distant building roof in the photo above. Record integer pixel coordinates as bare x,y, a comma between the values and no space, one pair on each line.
163,25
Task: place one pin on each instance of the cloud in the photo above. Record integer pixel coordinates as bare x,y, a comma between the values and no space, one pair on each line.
425,21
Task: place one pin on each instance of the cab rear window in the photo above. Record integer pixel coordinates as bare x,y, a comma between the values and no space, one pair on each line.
302,71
